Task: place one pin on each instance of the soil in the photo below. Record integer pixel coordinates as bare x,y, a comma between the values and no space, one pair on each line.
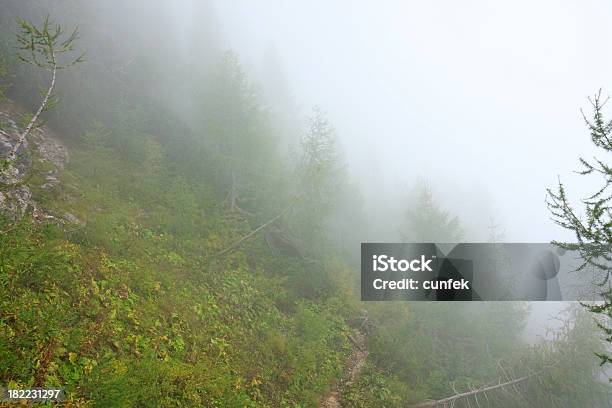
354,364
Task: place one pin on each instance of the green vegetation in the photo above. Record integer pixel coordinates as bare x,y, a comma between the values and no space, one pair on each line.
193,262
44,48
425,352
131,308
593,235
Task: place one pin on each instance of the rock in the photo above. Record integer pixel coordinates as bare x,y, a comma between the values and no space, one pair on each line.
49,148
41,145
51,179
72,219
16,201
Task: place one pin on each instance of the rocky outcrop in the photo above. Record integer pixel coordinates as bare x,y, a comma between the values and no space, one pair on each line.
42,155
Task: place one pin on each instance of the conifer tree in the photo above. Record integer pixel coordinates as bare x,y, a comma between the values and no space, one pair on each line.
46,47
242,138
427,222
320,174
594,232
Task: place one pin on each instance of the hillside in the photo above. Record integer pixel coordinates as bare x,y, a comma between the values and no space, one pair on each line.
125,305
176,232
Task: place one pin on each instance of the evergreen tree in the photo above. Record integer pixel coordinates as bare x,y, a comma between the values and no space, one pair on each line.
593,234
427,222
248,165
320,175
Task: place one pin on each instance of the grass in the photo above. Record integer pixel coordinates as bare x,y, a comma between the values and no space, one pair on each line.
129,309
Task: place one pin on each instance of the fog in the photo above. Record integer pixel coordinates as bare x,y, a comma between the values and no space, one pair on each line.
480,99
211,221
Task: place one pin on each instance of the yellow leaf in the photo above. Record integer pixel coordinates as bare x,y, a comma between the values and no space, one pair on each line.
72,357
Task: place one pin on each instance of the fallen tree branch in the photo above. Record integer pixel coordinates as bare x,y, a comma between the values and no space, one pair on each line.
449,401
252,233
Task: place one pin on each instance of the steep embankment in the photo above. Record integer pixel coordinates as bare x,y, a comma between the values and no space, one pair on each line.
127,308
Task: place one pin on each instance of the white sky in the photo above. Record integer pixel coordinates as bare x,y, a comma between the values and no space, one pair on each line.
481,98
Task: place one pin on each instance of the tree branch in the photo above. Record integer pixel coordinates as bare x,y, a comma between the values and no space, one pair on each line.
449,400
252,233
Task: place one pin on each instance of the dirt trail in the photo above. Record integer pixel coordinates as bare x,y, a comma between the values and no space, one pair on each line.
354,364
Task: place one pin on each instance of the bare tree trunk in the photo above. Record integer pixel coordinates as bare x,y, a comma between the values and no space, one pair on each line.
22,138
450,400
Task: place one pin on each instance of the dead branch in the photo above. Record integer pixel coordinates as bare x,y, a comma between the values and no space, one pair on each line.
451,400
252,233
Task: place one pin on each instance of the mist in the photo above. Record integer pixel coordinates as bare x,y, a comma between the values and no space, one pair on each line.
481,100
220,164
